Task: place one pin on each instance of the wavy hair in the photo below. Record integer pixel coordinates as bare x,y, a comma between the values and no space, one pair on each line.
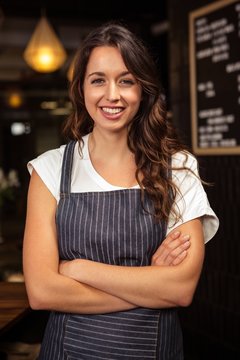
151,136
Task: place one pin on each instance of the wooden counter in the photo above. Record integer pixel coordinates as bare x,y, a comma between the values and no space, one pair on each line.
13,304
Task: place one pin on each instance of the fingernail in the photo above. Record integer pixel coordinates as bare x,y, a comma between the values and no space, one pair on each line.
186,237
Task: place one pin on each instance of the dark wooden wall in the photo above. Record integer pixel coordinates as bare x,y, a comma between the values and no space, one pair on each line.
214,316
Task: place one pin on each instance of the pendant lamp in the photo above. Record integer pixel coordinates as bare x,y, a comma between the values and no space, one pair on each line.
44,52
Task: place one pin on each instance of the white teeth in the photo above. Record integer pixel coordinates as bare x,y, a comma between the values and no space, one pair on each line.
111,110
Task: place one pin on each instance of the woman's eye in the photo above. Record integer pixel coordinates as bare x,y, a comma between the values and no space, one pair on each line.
127,82
97,81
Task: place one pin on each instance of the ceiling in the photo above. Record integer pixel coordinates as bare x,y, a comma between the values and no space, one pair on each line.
72,20
84,10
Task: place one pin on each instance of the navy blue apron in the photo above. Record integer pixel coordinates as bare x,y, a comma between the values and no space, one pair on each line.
109,227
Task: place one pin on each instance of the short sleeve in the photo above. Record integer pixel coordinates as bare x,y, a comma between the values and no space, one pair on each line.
192,201
48,166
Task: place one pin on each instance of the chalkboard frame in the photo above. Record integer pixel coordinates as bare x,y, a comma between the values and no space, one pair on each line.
193,15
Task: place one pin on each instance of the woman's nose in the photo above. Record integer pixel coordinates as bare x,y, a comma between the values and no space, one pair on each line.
112,93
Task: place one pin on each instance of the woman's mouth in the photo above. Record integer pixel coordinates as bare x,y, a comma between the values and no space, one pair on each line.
112,110
112,113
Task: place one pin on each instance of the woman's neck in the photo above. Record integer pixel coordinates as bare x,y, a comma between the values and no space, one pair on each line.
109,145
112,159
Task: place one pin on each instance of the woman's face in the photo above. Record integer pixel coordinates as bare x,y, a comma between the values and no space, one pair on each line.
112,94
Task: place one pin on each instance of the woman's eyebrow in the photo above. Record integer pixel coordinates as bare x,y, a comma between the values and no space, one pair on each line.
99,73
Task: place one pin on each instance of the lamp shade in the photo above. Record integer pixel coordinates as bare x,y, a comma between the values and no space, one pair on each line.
44,52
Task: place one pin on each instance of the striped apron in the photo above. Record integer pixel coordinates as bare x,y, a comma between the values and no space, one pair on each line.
109,227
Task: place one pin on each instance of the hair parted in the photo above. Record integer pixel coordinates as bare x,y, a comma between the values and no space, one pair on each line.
151,136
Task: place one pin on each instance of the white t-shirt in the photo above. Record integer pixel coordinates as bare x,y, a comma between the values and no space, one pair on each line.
191,204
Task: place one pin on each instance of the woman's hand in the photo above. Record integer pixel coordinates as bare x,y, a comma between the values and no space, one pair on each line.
172,250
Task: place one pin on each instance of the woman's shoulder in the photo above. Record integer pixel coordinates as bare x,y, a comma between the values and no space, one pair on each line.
53,158
50,158
184,159
56,153
48,166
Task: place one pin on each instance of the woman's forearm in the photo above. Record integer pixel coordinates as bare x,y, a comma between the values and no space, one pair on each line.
149,286
59,293
129,283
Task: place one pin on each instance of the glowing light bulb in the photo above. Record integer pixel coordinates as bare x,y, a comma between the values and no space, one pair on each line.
44,52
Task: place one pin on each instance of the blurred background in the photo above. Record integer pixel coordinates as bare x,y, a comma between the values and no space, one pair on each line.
34,103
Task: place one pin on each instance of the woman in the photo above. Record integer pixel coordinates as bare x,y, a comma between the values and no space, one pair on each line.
121,184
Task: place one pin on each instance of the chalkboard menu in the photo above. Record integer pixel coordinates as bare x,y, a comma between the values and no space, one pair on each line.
215,78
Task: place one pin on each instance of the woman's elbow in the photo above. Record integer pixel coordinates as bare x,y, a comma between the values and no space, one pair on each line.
37,299
185,300
41,290
35,304
185,295
40,293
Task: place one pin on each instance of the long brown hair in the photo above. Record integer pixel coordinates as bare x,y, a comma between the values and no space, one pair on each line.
151,136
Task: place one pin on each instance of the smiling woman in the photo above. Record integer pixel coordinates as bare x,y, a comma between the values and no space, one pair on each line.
111,91
117,218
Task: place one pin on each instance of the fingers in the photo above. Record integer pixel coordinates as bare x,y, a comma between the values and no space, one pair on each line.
179,258
172,250
170,243
178,254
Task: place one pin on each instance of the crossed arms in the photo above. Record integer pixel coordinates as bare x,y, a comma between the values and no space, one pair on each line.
84,286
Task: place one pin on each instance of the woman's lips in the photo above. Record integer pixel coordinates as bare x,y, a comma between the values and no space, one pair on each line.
112,113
